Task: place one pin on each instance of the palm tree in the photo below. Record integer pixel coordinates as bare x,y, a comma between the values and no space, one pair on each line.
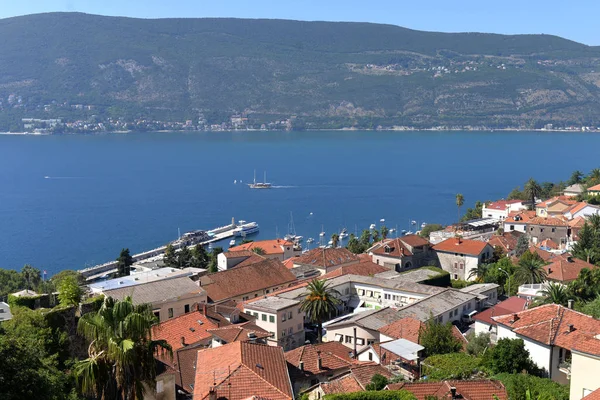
121,352
319,303
258,250
590,254
576,177
594,221
479,272
532,190
554,293
529,270
384,232
335,239
594,176
460,200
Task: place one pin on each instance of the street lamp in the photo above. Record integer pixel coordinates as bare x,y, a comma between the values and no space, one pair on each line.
507,279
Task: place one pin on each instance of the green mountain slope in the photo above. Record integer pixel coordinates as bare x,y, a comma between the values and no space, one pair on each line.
326,74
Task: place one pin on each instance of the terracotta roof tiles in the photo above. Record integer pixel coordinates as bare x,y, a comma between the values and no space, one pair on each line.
520,217
326,257
239,332
275,246
594,188
548,221
462,246
334,356
595,395
566,268
481,389
192,327
509,306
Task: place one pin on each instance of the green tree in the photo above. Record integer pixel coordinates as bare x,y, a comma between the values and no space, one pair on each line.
460,201
517,386
375,235
378,382
200,257
170,258
479,273
384,232
554,293
591,308
121,351
522,245
373,395
69,291
354,245
67,273
532,190
11,281
576,177
451,366
587,285
510,356
124,263
365,238
213,262
259,250
593,177
184,257
473,213
430,228
320,303
478,344
32,276
515,194
335,239
437,338
530,269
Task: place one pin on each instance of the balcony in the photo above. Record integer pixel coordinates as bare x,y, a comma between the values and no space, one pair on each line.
530,290
565,367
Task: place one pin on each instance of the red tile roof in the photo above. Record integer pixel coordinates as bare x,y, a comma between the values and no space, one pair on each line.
192,327
239,332
255,258
594,188
577,222
576,207
344,384
507,241
275,246
326,258
520,217
414,240
356,380
566,200
502,204
238,281
552,324
289,263
334,356
406,328
363,268
240,369
393,248
364,373
462,246
548,243
509,306
595,395
548,221
481,389
566,268
238,254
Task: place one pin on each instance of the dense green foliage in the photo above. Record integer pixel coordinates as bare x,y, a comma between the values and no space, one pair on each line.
378,382
124,262
327,74
540,388
424,233
320,302
451,366
373,395
437,338
478,344
510,356
69,291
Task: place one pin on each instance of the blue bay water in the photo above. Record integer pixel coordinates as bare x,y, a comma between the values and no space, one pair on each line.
68,201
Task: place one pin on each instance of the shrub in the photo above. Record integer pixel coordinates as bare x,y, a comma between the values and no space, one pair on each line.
373,395
518,384
451,366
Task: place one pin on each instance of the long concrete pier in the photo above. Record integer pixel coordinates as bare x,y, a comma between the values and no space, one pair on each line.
187,240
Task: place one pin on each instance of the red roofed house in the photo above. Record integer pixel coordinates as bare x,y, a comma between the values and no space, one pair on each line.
480,389
365,267
565,268
554,228
585,364
551,333
314,363
326,260
594,190
554,206
507,242
460,256
581,209
187,329
402,253
241,370
484,322
230,259
278,249
356,380
518,220
500,209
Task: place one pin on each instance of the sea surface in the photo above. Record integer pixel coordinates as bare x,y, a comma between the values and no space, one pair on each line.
67,202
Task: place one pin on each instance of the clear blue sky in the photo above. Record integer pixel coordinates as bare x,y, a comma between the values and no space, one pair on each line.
575,20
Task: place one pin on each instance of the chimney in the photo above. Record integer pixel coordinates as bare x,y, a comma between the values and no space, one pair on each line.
355,350
301,365
453,391
571,327
319,361
204,308
212,394
570,303
515,318
183,341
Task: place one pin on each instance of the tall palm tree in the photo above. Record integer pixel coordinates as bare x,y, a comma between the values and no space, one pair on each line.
594,221
121,351
594,176
530,270
532,189
576,177
554,293
335,239
320,303
479,272
590,254
460,200
384,232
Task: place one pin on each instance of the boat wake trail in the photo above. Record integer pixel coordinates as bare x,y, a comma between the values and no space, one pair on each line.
63,177
283,187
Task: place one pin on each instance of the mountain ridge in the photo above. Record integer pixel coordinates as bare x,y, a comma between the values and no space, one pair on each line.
325,74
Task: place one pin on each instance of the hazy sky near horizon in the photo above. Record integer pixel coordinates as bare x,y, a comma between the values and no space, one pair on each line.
575,20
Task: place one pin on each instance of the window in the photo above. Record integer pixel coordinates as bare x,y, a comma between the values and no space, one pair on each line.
450,315
541,229
264,317
462,265
347,291
553,230
512,227
283,333
348,339
361,292
272,334
272,318
455,312
159,387
360,341
245,298
267,291
370,341
370,356
290,331
370,293
170,313
255,314
455,265
387,296
157,314
283,319
289,315
455,276
186,308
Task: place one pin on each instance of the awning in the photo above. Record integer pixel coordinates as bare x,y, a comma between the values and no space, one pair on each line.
470,315
403,348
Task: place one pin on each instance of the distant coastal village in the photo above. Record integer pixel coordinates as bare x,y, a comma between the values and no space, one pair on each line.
503,304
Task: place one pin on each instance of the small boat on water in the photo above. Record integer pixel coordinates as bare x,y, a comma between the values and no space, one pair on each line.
244,229
392,230
382,220
232,243
424,224
260,185
310,240
372,226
